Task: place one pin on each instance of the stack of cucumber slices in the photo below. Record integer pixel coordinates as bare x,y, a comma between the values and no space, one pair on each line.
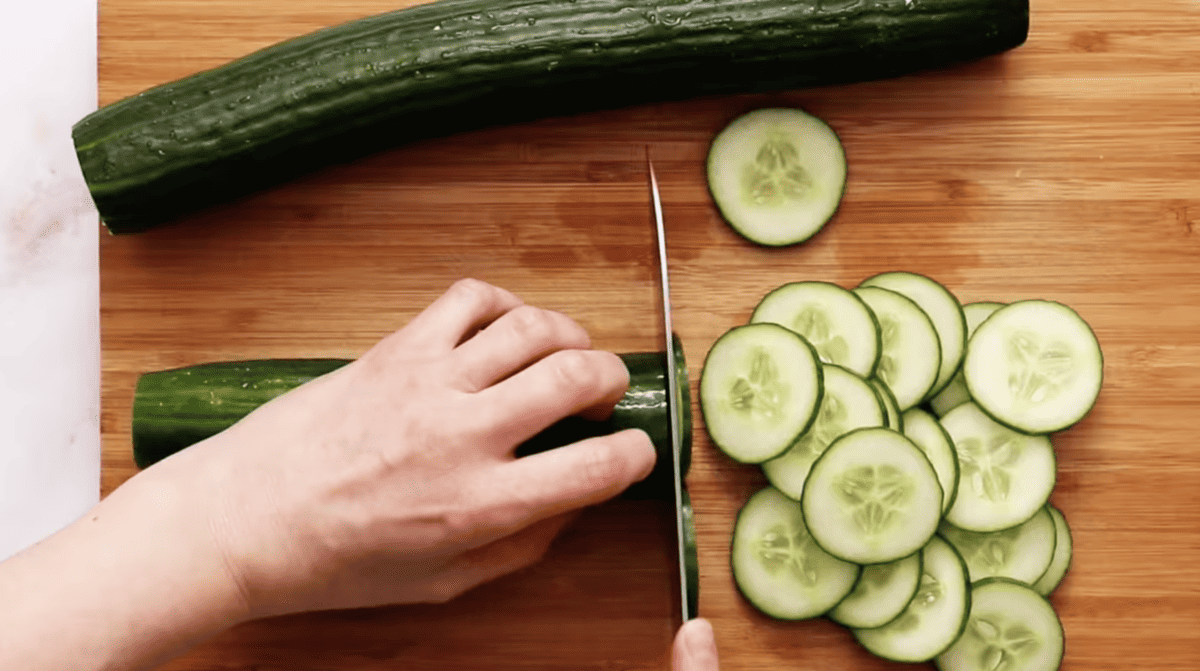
906,441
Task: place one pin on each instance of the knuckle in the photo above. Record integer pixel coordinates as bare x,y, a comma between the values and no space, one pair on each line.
578,372
602,468
473,292
533,324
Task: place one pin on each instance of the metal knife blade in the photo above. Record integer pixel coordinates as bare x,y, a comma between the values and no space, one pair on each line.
687,603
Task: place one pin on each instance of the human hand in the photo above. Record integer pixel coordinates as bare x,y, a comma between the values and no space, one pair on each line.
695,647
392,480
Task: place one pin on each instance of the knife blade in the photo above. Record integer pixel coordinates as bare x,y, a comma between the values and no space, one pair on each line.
687,599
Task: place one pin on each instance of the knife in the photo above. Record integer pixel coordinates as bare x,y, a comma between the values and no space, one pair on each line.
684,529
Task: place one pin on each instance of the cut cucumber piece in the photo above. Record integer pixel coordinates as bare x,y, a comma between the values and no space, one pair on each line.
911,355
1061,561
777,175
955,393
882,592
847,403
760,388
1004,476
1022,553
929,435
833,320
872,497
934,618
895,419
944,311
777,566
1035,366
1011,628
691,558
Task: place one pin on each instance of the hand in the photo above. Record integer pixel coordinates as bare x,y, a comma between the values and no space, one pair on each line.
695,647
392,480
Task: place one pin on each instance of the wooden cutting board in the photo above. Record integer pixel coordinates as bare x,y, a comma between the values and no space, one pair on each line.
1068,169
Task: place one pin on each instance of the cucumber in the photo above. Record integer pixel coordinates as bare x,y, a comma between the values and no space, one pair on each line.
1034,366
777,175
1005,477
1010,627
929,435
935,617
882,592
691,558
943,310
955,393
872,497
833,320
1061,562
776,565
912,354
895,419
847,403
173,409
443,67
1022,553
760,388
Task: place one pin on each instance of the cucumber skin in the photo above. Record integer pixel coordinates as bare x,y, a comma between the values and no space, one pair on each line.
349,90
173,409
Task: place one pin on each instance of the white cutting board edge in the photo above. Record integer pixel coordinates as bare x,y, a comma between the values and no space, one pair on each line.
49,273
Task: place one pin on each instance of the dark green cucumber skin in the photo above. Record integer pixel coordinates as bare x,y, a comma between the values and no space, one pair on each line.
173,409
691,558
455,65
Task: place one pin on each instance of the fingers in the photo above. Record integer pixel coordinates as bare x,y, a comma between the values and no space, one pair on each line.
467,305
520,337
695,647
565,383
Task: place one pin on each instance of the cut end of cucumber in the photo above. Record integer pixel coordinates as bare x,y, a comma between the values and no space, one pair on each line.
777,175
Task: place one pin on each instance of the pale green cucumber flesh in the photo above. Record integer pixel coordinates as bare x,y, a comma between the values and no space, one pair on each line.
911,353
776,565
872,497
895,419
1063,549
1010,627
1022,553
955,393
930,436
882,592
834,320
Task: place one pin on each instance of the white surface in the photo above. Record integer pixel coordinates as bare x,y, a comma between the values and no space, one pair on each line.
49,273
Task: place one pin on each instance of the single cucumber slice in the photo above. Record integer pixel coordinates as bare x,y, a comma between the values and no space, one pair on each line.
833,320
847,403
777,175
955,393
1035,366
912,355
929,435
944,311
934,618
1062,555
872,497
882,592
760,388
777,566
895,419
1011,628
1004,476
1022,553
691,559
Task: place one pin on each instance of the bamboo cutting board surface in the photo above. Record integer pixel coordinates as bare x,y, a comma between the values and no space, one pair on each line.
1068,169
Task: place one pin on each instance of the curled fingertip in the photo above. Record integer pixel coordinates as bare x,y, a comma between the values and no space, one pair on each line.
696,647
642,449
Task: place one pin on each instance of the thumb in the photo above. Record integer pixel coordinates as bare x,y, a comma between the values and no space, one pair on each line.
695,647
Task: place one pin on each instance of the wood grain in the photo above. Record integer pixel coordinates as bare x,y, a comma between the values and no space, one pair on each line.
1068,169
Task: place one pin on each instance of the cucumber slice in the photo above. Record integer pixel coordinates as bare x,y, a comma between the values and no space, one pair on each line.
833,320
911,355
1004,476
872,497
944,311
1035,366
955,393
760,388
882,592
777,566
1061,562
847,403
1010,627
1022,553
691,559
934,618
929,435
777,175
895,420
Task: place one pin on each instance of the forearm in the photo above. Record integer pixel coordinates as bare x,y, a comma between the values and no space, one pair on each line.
135,581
